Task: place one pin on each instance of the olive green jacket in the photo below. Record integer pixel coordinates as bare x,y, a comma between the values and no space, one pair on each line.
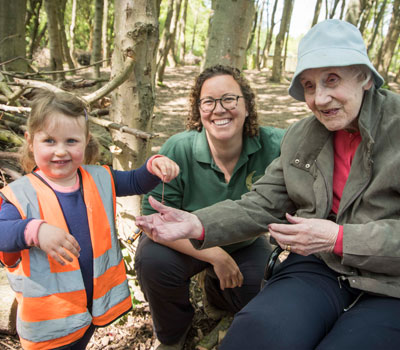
300,182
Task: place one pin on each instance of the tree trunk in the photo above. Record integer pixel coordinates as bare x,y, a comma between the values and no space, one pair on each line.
277,64
132,104
104,35
12,34
196,19
63,36
365,14
174,33
390,41
231,50
377,23
72,32
165,32
353,12
333,9
317,11
268,39
33,9
182,39
53,31
97,27
258,49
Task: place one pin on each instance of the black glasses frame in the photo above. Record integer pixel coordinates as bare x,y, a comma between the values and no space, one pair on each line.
220,101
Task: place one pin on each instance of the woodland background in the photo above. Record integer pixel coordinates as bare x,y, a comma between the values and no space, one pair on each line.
133,61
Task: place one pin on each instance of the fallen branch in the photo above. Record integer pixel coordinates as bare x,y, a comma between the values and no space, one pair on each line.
8,137
14,109
111,125
113,84
14,175
37,84
10,155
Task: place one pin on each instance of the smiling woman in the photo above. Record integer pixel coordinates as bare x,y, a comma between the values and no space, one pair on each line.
221,155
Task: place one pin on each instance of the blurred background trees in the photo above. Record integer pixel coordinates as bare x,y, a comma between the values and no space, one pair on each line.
132,42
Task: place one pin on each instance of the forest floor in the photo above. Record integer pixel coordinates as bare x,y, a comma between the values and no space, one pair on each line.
276,108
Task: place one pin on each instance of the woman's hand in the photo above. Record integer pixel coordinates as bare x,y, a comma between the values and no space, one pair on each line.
165,168
57,243
169,224
305,236
226,270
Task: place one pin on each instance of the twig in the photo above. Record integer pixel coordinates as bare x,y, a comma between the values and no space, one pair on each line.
37,84
6,345
15,109
113,84
54,71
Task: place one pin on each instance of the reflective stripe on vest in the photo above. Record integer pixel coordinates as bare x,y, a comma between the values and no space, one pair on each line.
51,297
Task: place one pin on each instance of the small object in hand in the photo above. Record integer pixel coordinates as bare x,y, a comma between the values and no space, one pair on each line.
133,238
287,248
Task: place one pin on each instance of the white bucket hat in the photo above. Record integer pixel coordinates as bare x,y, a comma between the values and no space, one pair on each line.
331,43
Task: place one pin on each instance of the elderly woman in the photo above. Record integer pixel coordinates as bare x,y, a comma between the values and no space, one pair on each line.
331,199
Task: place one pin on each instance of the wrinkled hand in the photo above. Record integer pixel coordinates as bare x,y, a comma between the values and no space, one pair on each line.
305,236
165,168
227,270
57,243
169,224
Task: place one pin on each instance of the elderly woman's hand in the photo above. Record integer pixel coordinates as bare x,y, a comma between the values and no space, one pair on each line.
305,236
169,224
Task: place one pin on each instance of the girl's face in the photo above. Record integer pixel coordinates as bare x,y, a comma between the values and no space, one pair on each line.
59,148
222,124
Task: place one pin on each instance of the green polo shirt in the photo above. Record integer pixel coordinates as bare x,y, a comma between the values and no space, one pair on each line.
201,183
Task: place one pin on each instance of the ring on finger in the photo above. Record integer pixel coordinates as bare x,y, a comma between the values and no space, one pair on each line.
287,248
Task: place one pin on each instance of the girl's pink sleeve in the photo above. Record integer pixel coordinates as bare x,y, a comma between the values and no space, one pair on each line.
32,232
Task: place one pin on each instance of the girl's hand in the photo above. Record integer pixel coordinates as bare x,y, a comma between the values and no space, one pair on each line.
305,236
165,168
57,243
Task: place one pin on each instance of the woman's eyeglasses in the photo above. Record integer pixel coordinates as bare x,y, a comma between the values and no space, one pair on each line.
228,102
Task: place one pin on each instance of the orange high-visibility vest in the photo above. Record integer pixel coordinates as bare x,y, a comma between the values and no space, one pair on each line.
52,310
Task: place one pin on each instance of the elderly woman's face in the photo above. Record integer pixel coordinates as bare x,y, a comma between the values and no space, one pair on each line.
334,94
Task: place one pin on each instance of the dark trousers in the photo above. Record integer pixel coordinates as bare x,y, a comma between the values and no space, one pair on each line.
164,276
302,307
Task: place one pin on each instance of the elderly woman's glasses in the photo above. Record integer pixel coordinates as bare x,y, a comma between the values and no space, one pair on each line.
228,102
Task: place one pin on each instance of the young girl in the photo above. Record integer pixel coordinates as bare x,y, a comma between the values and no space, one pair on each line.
57,232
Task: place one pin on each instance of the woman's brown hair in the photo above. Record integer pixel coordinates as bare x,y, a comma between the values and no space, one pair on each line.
45,104
251,125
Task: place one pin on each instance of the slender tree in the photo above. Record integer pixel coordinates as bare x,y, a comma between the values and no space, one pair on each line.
268,38
56,56
62,35
182,37
97,33
285,22
390,42
377,23
104,29
72,31
317,11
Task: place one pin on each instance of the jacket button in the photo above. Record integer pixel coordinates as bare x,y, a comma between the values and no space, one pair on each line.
307,166
297,161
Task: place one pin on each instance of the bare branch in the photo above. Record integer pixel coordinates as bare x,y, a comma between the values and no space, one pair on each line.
113,84
111,125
